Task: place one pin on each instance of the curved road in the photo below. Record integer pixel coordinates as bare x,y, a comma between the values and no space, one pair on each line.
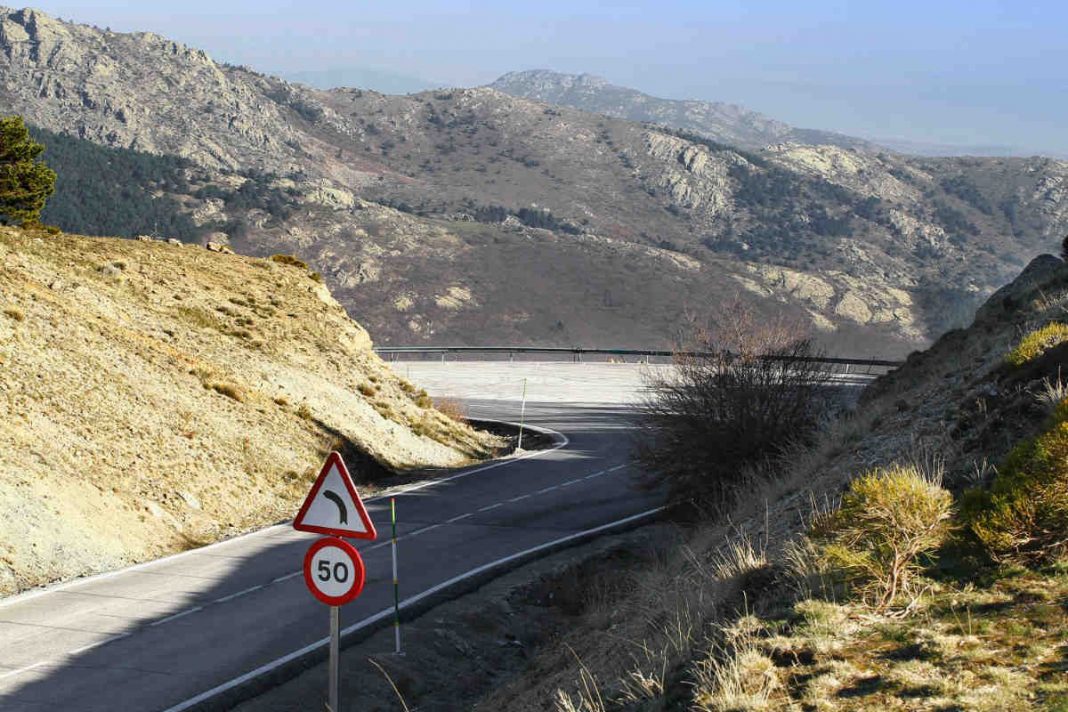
174,633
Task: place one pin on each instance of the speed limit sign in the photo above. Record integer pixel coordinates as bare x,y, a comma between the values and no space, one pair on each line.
333,571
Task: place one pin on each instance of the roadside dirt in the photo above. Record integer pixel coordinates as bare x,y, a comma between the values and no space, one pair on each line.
467,648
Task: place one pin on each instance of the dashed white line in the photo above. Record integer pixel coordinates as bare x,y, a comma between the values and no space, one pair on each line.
571,482
462,516
492,506
286,577
547,489
23,669
105,641
520,498
232,596
176,616
423,530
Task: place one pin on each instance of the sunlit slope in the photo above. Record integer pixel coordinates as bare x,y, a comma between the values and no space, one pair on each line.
156,396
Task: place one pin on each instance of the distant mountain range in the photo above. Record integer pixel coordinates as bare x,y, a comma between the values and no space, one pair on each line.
718,121
726,123
474,216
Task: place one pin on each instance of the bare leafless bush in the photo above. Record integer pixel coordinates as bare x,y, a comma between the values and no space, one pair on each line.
743,390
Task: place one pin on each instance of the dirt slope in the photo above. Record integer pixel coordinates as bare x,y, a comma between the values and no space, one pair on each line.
157,396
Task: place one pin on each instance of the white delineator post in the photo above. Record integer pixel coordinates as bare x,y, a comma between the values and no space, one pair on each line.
522,416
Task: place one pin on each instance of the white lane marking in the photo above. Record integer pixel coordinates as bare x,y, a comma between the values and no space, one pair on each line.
232,596
406,603
562,441
617,467
380,545
420,531
168,619
23,669
97,644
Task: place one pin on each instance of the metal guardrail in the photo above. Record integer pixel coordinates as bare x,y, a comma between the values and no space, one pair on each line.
578,352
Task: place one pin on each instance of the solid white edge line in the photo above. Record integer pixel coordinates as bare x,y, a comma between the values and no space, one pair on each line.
406,603
562,441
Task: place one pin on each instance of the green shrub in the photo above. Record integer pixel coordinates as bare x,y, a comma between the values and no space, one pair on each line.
1037,343
887,520
1023,516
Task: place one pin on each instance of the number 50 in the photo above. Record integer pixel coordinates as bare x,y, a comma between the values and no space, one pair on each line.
339,571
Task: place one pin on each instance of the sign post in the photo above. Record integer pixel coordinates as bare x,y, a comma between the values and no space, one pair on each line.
335,654
396,581
333,569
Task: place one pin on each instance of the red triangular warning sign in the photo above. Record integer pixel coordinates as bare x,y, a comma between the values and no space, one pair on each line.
333,506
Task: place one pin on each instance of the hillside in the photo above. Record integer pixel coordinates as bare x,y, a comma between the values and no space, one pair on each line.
422,211
719,121
754,610
159,396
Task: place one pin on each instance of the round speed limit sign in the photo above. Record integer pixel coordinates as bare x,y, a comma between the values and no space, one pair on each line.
333,571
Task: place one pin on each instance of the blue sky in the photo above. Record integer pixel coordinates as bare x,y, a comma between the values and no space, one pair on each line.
977,73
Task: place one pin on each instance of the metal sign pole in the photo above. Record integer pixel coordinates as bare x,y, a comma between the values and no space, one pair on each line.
335,637
396,582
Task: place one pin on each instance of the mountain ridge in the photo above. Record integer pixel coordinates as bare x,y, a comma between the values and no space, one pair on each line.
720,121
472,216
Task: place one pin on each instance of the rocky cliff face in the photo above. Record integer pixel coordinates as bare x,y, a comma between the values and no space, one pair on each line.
562,226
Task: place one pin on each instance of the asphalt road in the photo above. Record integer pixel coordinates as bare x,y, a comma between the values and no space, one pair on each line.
164,635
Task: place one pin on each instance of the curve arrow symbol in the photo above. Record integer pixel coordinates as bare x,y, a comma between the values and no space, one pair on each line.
342,512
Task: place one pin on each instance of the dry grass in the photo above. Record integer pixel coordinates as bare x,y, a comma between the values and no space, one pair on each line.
15,313
452,409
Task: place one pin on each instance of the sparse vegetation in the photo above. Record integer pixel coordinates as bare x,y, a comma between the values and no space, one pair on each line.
886,521
750,395
14,313
452,409
1037,342
230,390
290,260
1023,515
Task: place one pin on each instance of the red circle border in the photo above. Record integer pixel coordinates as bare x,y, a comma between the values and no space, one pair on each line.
358,578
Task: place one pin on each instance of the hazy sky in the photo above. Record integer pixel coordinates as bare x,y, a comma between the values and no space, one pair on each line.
974,72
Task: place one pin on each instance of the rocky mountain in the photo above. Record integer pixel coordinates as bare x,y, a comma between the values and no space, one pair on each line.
473,216
719,121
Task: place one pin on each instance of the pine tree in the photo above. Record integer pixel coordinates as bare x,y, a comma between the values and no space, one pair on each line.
25,182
